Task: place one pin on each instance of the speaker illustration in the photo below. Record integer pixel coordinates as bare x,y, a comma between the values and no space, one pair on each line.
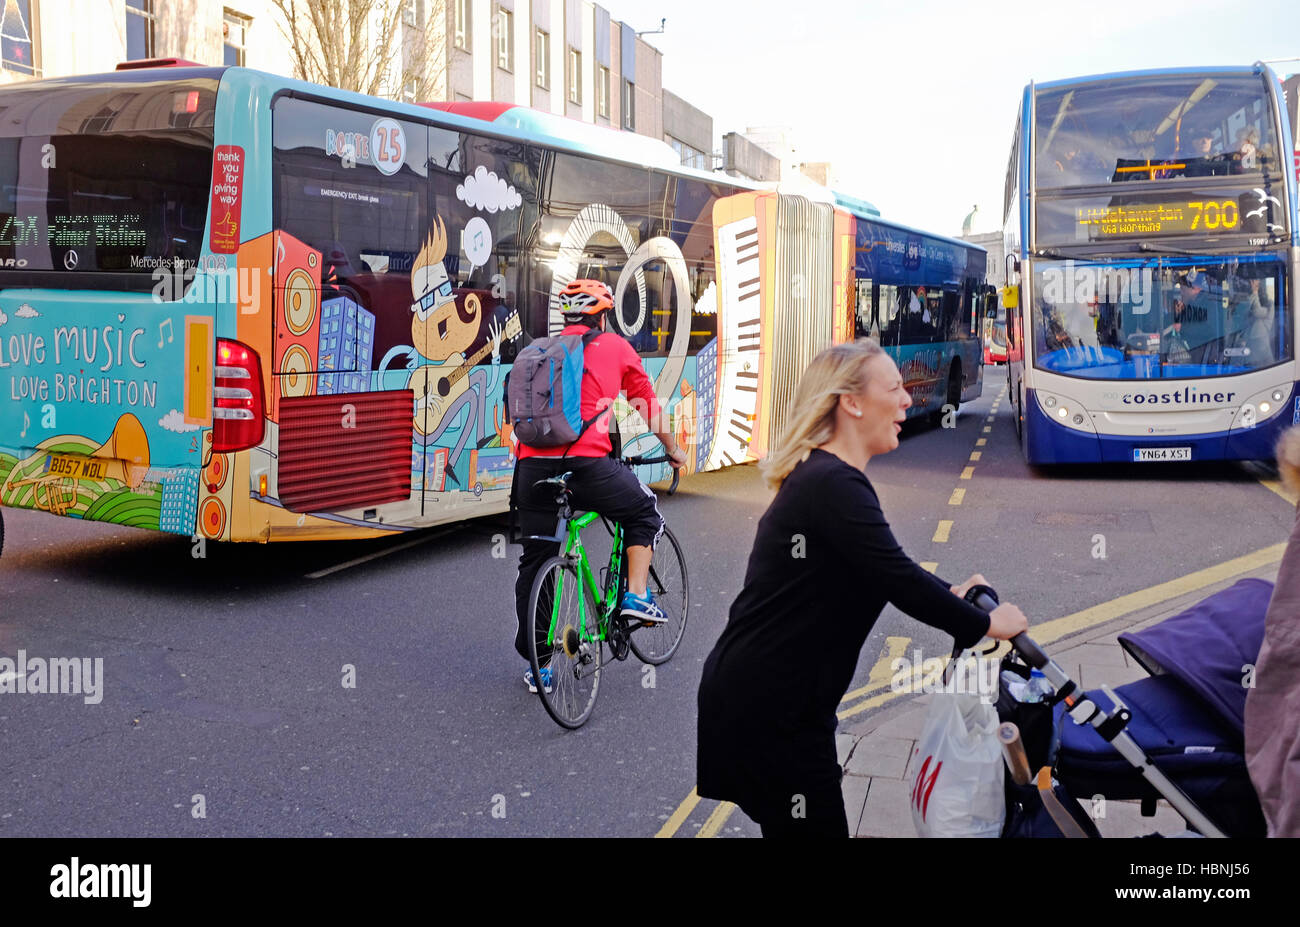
297,319
214,497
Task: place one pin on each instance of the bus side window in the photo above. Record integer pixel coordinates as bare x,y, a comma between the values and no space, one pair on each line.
865,313
887,300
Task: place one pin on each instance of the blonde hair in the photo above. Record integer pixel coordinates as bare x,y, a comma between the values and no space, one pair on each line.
838,371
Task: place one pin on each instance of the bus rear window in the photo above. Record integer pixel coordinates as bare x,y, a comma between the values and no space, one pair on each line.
116,182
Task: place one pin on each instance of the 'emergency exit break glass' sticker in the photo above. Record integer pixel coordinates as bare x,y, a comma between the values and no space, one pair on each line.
227,194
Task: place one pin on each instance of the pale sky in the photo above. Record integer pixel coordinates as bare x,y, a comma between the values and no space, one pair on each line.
913,101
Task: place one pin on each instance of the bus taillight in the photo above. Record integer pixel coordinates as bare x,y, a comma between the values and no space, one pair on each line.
238,407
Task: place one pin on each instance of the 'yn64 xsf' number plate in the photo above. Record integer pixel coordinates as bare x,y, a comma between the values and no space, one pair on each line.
1144,454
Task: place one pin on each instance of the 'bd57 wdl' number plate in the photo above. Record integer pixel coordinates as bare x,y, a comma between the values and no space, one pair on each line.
1143,454
79,468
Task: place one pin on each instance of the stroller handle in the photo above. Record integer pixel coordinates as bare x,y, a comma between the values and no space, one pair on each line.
985,598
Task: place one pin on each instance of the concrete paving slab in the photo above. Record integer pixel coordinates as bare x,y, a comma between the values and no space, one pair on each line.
886,812
880,756
855,789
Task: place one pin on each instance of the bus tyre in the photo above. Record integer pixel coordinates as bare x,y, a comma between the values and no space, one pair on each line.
952,397
2,532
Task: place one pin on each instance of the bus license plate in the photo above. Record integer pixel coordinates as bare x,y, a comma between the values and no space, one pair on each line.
1143,454
79,468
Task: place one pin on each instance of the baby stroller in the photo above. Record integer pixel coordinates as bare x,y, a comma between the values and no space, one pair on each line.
1177,734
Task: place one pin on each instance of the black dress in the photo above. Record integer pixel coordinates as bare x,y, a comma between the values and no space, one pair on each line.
823,566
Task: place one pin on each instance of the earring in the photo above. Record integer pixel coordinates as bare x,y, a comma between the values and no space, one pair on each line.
858,414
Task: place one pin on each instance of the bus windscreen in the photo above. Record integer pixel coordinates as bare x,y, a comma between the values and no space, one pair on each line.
105,178
1156,128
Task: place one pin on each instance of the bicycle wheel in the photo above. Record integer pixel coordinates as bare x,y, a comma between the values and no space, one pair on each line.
563,639
669,587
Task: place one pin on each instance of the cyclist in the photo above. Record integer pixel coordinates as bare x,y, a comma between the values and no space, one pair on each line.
600,483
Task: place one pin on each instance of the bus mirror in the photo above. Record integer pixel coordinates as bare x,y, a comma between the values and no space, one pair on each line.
1011,297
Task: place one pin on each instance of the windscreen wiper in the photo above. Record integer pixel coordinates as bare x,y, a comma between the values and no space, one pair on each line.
1165,249
1051,253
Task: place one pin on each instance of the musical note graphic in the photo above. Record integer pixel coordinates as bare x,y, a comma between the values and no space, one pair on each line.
167,324
302,519
26,422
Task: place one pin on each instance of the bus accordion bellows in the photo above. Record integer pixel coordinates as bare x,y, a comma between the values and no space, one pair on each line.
240,307
1152,258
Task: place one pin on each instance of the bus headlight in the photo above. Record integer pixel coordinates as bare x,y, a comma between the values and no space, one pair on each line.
1066,411
1259,408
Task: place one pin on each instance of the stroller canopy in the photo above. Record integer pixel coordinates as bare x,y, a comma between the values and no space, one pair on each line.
1211,647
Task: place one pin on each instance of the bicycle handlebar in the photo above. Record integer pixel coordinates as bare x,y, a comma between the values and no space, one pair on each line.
638,461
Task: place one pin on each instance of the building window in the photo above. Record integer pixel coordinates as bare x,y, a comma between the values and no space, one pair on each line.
17,37
408,91
542,41
139,29
602,91
505,26
462,35
575,75
629,108
234,30
410,14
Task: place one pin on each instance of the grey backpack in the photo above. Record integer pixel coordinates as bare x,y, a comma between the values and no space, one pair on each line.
544,391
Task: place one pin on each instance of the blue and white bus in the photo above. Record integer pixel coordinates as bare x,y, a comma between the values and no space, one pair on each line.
922,297
1152,252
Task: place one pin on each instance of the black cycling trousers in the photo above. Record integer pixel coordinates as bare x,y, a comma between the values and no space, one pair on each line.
599,484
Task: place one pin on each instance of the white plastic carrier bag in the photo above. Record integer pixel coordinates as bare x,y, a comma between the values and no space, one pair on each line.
957,770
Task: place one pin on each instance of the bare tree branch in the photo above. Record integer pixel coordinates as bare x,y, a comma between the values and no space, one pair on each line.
366,46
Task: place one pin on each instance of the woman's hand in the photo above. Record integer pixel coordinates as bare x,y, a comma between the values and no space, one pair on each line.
976,580
1006,621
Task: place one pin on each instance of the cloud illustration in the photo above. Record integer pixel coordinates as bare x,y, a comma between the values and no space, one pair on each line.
26,312
485,190
174,421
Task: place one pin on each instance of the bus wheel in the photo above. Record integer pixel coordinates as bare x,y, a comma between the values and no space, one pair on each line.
2,532
952,397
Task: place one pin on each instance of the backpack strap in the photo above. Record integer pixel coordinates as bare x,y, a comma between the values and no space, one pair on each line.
587,339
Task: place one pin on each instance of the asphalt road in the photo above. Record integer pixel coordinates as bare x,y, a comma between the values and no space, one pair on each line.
224,675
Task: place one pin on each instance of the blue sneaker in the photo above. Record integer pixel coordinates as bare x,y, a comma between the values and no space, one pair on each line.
643,609
532,684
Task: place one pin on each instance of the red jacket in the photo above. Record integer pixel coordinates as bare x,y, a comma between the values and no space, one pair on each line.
610,366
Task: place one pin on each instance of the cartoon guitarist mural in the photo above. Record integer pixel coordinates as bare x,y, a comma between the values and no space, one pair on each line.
442,329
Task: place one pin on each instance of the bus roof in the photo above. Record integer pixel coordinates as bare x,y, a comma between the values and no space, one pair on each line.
898,226
1153,72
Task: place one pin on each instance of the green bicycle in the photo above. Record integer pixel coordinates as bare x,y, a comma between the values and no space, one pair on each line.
575,616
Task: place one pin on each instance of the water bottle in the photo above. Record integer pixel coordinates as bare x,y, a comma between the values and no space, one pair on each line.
1014,684
1038,688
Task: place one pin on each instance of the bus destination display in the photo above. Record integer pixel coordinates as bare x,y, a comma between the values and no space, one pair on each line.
1166,218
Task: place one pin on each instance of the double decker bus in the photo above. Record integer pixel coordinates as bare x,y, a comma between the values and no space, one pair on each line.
1152,256
239,307
922,296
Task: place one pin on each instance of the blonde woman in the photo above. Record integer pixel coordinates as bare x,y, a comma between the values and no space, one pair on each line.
824,564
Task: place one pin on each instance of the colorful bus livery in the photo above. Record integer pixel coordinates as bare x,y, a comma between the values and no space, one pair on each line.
250,309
